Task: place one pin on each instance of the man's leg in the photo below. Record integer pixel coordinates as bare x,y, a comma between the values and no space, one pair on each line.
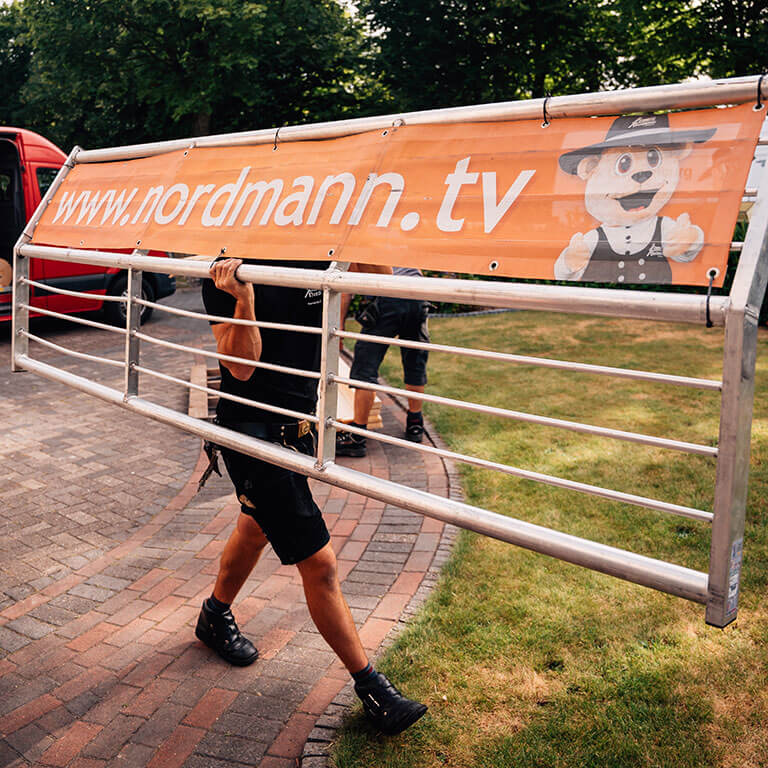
385,706
216,626
241,553
329,609
363,403
415,366
414,406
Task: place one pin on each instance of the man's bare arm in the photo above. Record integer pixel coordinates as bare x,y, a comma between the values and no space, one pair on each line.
378,269
236,340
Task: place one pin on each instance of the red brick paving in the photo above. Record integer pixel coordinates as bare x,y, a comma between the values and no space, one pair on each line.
68,746
121,678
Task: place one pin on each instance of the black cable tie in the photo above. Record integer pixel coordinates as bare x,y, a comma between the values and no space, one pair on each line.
274,147
759,104
711,274
546,122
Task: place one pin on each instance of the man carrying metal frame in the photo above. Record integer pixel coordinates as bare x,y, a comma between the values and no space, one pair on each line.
276,503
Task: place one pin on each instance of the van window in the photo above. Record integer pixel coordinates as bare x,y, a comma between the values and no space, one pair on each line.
45,177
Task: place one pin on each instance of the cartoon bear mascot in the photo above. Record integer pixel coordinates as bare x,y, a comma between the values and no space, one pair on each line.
629,178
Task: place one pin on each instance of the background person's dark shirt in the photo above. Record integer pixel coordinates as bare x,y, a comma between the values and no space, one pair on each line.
297,306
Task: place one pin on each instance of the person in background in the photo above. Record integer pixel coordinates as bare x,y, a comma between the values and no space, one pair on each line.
384,316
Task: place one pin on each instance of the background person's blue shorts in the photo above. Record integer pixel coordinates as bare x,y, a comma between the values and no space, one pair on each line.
406,318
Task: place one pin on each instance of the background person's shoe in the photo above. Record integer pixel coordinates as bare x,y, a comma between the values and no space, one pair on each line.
348,444
414,431
220,632
388,710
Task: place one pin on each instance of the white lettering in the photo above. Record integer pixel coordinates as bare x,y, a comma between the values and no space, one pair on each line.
492,213
260,188
91,207
282,218
348,180
154,192
454,181
200,190
116,207
166,218
208,219
397,185
67,205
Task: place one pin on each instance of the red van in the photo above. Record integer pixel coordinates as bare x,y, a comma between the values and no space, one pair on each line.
28,165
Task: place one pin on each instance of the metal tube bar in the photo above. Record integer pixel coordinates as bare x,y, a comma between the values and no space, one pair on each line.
739,359
227,358
735,90
227,396
544,421
666,577
20,318
20,309
75,319
327,402
231,320
132,325
542,362
72,352
76,294
673,307
539,477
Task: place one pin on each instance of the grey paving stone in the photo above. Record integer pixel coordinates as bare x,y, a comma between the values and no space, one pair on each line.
30,627
11,641
248,727
52,614
232,749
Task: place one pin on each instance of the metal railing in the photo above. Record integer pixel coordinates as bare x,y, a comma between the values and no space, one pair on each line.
717,588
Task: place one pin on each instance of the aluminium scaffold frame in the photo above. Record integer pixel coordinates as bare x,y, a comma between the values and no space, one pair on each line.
738,313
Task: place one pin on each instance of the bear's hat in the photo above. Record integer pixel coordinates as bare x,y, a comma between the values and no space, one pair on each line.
636,131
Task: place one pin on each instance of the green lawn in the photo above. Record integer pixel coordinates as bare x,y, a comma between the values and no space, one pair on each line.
527,661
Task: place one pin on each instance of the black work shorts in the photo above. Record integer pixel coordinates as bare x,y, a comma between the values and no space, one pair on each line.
406,318
277,499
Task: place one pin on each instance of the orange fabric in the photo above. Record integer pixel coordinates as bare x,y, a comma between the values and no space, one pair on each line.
500,198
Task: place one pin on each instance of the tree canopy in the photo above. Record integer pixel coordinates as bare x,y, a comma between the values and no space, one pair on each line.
106,72
109,71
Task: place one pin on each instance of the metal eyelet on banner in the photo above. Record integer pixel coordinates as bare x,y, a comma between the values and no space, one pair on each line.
396,123
546,122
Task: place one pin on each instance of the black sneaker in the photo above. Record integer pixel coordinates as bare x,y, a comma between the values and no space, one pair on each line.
348,444
414,431
387,709
220,632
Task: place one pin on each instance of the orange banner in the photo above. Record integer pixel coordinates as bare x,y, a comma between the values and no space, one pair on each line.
634,199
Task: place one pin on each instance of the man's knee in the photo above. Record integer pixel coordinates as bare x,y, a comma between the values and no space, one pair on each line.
320,568
251,532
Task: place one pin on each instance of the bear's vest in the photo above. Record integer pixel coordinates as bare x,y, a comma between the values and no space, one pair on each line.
646,266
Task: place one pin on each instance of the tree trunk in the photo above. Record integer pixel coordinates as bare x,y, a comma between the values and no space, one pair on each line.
201,125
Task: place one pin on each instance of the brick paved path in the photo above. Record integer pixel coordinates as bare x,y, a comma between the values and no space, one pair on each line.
107,554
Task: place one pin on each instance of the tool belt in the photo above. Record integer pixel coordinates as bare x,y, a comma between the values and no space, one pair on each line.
285,434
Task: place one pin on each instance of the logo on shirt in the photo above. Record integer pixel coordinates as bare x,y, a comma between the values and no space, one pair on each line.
313,296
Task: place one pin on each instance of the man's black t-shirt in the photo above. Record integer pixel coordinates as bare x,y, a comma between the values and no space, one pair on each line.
275,304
